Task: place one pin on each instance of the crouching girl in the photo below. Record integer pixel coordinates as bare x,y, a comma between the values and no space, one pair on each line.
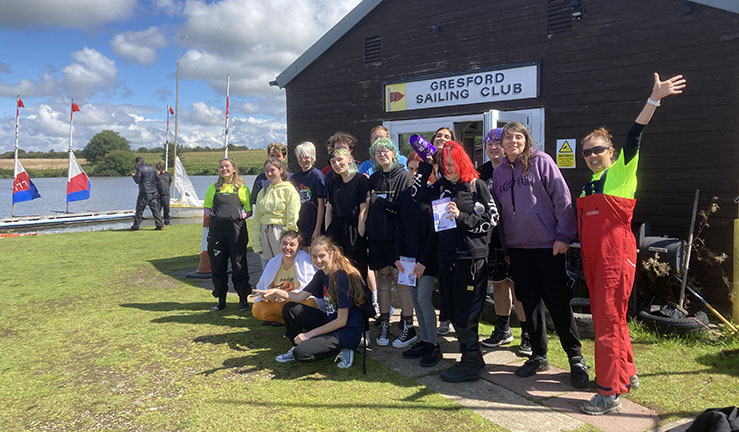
317,334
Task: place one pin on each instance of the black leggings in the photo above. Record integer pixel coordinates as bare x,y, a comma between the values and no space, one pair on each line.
299,318
538,275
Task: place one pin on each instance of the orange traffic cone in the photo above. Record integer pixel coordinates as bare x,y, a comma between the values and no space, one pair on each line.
203,271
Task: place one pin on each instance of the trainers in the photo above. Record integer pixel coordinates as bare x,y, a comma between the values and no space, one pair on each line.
532,366
634,382
287,357
432,355
600,405
498,338
579,372
378,321
417,350
159,228
407,337
345,358
133,228
383,338
443,328
524,349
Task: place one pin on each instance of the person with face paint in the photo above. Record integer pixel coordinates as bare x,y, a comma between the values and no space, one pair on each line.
604,210
503,293
277,210
290,271
226,204
346,209
462,251
537,225
386,182
337,328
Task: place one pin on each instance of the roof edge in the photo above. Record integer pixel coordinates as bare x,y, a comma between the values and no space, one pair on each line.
727,5
325,42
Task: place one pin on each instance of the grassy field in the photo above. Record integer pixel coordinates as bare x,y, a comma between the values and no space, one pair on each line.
97,334
39,164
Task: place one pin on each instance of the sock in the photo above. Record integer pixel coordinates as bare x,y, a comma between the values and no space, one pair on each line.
374,302
408,321
524,327
502,323
385,317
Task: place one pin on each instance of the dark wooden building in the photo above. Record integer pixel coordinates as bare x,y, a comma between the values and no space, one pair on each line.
579,64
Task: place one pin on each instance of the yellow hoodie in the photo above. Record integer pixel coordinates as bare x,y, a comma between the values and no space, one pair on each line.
276,205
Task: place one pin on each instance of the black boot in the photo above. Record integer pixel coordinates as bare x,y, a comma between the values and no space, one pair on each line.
467,369
432,356
243,304
221,304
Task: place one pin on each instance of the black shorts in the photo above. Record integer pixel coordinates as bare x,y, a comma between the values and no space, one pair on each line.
497,267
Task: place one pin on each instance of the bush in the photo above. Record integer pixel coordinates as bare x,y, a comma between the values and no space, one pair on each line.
115,163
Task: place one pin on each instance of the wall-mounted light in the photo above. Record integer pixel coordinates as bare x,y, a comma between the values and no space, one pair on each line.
436,28
576,10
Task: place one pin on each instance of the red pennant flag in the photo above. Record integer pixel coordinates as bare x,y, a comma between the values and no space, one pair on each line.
171,111
75,107
20,103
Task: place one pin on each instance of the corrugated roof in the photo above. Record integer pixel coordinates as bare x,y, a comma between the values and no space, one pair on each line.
325,42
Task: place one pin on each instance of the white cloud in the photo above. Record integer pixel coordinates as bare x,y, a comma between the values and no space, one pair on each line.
82,14
141,46
249,108
92,72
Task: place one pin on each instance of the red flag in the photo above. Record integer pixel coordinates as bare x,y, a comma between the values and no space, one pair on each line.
20,103
75,107
171,111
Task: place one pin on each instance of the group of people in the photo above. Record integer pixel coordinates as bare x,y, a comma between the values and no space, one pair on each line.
322,236
154,186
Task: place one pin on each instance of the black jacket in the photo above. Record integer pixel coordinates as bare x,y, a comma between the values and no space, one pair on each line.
385,187
164,181
478,215
414,232
146,178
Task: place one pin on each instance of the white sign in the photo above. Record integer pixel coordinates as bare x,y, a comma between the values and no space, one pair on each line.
566,153
480,87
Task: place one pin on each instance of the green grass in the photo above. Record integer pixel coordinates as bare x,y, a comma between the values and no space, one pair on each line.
95,333
680,375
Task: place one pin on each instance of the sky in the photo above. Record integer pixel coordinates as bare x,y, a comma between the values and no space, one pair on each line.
118,58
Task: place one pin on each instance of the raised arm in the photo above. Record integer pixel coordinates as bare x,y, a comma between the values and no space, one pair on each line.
660,90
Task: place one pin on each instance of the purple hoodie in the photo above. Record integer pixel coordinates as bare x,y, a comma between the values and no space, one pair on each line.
536,207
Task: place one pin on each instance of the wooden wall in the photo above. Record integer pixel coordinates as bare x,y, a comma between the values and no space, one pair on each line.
598,73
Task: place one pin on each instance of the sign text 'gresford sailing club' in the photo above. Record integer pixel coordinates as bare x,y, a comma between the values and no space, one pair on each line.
479,87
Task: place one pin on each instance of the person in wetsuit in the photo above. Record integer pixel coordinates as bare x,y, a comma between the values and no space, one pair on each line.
227,203
146,178
604,211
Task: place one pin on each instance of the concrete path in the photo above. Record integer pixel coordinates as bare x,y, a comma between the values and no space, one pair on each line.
544,402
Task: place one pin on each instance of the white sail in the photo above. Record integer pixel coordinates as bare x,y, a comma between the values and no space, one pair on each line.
187,195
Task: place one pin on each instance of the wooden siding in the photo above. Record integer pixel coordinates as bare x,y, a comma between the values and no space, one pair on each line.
599,73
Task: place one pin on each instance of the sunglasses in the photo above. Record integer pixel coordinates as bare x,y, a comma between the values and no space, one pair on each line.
594,150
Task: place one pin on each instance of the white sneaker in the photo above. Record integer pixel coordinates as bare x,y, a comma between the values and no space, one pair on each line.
383,338
287,357
345,358
407,337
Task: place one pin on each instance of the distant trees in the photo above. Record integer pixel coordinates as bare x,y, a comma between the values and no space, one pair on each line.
103,143
115,163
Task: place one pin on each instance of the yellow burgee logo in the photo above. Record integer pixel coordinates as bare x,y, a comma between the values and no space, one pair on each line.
395,99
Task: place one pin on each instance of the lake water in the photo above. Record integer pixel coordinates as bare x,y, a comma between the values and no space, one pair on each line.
106,193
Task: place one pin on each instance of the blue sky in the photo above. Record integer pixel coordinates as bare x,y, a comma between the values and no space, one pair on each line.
117,59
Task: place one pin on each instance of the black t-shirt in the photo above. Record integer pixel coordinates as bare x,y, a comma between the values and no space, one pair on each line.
345,198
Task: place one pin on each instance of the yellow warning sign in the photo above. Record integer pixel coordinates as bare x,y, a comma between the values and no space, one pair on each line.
566,153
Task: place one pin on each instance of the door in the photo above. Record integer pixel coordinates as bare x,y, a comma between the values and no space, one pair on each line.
533,119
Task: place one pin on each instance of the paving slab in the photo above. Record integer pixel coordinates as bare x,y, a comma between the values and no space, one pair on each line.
541,386
631,418
502,407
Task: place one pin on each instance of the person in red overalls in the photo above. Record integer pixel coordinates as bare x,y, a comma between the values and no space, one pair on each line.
604,211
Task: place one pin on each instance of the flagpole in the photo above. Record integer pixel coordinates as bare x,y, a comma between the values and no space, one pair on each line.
166,144
176,115
69,165
15,154
228,86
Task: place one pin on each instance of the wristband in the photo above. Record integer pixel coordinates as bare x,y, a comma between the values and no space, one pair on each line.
653,102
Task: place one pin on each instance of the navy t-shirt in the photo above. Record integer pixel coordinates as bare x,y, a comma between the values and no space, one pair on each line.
310,185
350,334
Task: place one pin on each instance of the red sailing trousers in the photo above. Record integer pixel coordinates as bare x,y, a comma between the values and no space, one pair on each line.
609,261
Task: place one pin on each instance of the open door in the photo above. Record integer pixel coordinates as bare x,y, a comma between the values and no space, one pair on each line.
532,119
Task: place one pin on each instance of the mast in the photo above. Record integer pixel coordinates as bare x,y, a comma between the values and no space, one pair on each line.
166,144
176,114
69,151
15,154
228,86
